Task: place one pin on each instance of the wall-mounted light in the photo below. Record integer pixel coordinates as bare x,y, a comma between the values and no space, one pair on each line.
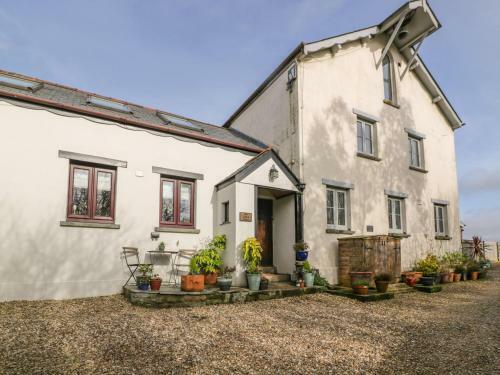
273,173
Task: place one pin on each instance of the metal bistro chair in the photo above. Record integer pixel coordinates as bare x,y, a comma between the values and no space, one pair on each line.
180,266
134,263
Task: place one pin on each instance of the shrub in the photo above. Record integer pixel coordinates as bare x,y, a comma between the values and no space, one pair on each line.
252,254
194,268
429,265
384,276
473,266
320,280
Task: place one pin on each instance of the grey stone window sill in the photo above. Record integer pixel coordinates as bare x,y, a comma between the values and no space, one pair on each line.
392,104
368,156
443,238
339,231
177,230
82,224
421,170
399,235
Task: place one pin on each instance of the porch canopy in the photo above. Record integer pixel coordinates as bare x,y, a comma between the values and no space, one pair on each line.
261,199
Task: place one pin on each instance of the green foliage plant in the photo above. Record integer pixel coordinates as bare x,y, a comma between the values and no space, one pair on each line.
209,259
252,254
320,280
429,265
194,268
307,267
161,246
301,246
360,283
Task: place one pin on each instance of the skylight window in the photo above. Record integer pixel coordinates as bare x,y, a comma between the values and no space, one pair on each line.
19,83
108,104
179,121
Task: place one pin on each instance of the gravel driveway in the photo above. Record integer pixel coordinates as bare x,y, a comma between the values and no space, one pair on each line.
455,331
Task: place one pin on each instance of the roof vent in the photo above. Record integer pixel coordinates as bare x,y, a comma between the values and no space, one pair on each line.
169,119
108,104
19,83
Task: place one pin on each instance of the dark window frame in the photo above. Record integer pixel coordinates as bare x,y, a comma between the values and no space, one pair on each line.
93,170
225,212
177,182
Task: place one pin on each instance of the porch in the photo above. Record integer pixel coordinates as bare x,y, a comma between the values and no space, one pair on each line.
169,296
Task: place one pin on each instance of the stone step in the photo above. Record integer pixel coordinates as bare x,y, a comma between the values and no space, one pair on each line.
400,288
276,277
268,269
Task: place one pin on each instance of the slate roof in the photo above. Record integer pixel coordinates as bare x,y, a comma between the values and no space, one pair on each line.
74,100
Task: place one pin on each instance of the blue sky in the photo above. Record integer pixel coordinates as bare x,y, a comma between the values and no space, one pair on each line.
202,59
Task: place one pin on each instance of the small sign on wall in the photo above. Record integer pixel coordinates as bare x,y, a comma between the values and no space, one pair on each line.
245,216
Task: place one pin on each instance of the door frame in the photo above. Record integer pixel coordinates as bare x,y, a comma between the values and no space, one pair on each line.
257,219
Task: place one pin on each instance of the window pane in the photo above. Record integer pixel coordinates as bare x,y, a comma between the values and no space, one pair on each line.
103,194
167,208
368,139
80,194
386,68
415,157
341,207
360,136
389,211
185,204
330,211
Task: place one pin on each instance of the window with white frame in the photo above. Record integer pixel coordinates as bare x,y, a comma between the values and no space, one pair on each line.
387,73
416,152
440,219
395,210
337,206
366,137
225,212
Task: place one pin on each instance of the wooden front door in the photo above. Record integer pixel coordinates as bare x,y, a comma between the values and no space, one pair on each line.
265,229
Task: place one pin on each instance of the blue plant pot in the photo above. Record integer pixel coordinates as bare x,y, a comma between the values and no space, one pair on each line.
143,286
301,256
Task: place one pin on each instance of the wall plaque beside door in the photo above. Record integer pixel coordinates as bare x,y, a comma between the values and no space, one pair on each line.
245,216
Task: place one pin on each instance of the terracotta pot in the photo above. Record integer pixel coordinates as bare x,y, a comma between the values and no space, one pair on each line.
418,276
445,278
155,283
192,283
360,276
411,281
210,278
451,278
473,275
457,277
360,289
382,286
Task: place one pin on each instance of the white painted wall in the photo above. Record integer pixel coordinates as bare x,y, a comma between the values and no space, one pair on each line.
272,118
332,87
39,259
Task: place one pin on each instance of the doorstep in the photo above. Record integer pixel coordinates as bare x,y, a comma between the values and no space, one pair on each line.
174,297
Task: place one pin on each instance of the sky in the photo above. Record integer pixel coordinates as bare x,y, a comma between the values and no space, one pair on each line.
203,58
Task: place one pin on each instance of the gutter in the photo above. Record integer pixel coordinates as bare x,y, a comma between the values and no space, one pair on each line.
141,124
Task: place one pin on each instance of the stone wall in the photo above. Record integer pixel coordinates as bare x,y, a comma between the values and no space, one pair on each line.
376,253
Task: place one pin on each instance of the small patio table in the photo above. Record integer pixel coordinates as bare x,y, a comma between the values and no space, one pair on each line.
173,255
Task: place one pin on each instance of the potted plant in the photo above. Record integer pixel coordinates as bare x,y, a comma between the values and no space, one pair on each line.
473,270
361,272
458,271
411,281
429,267
143,279
225,280
161,246
308,274
210,258
252,255
194,281
360,287
382,281
155,282
301,251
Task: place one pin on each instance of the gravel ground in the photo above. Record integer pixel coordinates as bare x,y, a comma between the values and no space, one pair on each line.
455,331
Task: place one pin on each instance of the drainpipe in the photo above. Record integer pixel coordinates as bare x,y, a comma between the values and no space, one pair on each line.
299,213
